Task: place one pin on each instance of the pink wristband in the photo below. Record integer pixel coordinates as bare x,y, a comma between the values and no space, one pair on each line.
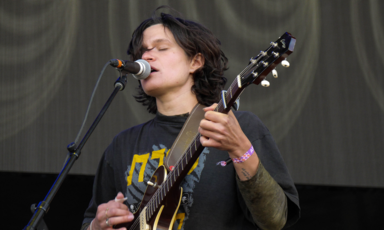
241,159
244,157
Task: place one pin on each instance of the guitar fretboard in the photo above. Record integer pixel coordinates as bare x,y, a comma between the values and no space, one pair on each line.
255,72
194,150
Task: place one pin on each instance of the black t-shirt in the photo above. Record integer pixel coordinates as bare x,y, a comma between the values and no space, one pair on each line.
211,199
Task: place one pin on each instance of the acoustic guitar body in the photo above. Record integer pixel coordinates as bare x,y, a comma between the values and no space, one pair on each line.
162,218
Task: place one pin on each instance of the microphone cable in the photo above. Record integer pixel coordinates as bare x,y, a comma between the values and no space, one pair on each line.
73,144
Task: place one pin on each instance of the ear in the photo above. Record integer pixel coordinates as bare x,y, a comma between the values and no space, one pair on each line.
196,63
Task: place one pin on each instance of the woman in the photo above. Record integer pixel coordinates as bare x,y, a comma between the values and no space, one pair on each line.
255,192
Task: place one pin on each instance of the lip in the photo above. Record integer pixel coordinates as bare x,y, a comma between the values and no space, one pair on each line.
154,70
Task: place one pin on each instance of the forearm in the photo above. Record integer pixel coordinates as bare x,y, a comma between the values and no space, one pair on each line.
247,169
265,199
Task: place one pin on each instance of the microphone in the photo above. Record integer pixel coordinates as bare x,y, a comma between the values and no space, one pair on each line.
140,69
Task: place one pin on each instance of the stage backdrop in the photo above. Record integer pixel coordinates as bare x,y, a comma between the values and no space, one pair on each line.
326,111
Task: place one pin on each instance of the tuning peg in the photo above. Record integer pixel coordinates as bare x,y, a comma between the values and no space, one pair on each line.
265,83
265,64
274,73
275,54
285,63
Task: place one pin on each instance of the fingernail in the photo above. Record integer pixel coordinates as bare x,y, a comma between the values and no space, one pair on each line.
121,200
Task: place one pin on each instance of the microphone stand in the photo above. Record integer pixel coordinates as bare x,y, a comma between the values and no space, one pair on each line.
43,207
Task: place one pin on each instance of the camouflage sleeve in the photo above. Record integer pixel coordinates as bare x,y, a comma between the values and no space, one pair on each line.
265,200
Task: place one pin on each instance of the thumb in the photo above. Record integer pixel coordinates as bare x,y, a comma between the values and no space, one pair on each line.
119,195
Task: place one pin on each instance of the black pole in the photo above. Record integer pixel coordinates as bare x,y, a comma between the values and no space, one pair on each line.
43,207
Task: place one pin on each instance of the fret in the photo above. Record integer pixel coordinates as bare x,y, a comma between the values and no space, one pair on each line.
239,81
167,186
150,210
186,160
170,182
237,87
230,95
190,152
233,88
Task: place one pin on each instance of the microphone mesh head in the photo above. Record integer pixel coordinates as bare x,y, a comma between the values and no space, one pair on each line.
146,70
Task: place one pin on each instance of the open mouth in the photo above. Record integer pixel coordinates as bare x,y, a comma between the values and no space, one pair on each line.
153,70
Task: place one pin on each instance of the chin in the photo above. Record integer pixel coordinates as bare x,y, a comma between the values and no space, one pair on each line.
153,92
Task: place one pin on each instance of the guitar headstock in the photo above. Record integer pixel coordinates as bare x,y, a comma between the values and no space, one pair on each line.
261,65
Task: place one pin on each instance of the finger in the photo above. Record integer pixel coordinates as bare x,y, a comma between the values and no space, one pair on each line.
119,220
203,141
232,116
119,205
119,195
120,198
213,128
101,212
206,142
216,117
212,133
210,108
118,212
208,125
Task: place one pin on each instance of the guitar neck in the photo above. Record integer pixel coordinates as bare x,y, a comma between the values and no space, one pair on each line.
190,156
255,72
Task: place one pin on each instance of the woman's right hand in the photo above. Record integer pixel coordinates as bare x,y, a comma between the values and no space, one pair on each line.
111,213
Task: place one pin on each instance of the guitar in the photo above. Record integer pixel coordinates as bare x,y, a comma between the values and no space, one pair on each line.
163,194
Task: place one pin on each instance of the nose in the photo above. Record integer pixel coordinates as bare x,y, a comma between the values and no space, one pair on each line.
148,56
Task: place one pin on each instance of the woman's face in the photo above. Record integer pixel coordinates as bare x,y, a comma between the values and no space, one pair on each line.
171,68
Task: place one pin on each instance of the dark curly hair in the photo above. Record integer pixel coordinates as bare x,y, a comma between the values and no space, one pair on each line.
193,38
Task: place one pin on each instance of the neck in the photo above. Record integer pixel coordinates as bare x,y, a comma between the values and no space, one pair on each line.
176,105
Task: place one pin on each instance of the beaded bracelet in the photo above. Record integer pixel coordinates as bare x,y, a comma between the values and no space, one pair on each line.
244,157
241,159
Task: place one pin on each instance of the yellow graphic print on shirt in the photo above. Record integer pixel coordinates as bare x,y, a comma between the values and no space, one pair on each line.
141,170
143,159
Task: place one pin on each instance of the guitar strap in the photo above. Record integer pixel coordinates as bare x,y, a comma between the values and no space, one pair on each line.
185,137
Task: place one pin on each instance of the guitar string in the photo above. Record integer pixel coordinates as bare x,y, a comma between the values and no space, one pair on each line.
220,106
257,59
158,196
172,173
135,223
153,207
197,138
